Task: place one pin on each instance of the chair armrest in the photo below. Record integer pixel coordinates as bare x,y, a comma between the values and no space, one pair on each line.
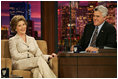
6,63
22,73
55,65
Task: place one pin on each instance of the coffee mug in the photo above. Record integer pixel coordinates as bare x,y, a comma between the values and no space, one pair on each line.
75,49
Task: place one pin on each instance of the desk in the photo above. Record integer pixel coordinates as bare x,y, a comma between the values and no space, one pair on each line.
88,65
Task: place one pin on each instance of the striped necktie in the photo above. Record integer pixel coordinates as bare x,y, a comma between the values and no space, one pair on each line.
93,41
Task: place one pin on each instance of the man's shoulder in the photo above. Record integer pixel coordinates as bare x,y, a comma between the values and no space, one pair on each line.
107,25
89,24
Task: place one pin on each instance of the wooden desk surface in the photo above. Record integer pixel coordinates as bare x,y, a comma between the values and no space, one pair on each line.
88,65
102,52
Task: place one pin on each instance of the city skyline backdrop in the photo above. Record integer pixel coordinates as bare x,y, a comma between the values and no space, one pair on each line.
35,14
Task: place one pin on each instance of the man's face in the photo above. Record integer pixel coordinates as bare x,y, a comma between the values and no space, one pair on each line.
98,18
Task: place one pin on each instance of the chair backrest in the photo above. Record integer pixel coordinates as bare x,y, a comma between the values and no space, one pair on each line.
43,46
5,48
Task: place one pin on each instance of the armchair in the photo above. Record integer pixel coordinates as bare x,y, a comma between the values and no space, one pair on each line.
7,62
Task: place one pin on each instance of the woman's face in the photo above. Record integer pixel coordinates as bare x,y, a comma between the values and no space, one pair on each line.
21,28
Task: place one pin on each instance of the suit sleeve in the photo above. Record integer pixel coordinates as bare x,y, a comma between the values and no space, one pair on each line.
82,40
14,52
111,37
39,52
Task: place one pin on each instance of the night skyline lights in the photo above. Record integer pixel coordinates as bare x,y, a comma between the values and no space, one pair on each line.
35,14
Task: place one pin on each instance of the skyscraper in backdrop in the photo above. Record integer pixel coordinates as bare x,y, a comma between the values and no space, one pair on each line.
22,8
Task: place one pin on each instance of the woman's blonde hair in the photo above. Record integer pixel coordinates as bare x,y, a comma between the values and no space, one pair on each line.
14,21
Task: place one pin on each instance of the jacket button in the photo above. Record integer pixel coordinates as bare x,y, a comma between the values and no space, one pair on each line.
28,50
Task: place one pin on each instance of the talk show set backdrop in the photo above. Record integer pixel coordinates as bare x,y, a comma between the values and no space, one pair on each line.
72,18
62,26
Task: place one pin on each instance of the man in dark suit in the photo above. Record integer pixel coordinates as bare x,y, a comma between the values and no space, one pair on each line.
98,34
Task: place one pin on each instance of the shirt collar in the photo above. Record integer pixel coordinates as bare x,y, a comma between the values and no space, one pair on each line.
100,26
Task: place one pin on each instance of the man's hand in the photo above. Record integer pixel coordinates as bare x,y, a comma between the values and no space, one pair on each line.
91,49
72,48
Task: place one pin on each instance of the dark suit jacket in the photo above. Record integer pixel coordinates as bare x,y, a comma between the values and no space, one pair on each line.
106,36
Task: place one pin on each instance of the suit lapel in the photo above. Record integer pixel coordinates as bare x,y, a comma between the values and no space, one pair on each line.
101,31
21,40
27,39
91,30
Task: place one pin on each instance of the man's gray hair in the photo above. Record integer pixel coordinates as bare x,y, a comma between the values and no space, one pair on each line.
102,9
